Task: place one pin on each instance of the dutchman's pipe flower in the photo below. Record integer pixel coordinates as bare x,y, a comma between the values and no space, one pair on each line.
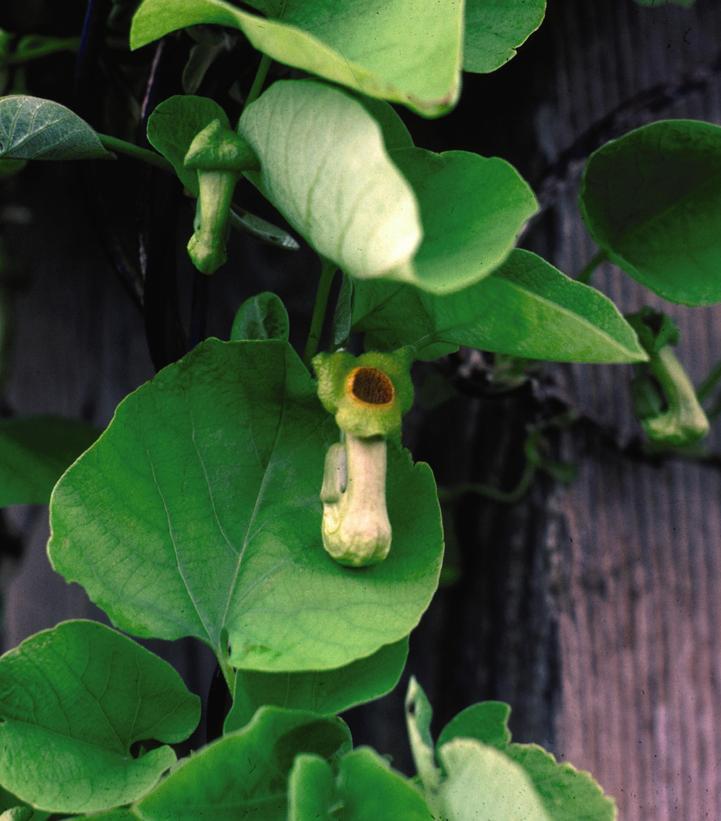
368,396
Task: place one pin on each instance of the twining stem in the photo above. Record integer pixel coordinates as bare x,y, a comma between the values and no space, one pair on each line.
135,151
327,272
53,46
586,272
507,497
258,80
706,388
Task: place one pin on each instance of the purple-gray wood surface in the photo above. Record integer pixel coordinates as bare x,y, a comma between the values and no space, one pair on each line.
592,609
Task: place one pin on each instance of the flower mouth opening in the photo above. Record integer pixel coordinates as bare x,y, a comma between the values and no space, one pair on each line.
371,386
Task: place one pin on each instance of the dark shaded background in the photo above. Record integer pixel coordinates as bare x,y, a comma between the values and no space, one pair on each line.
592,609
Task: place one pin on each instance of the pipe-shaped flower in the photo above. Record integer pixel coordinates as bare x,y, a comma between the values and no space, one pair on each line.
368,396
219,155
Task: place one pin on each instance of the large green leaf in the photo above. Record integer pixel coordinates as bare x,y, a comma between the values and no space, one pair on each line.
482,782
36,129
472,210
325,692
325,167
496,28
245,774
72,702
408,51
486,722
366,788
525,308
652,201
197,512
173,125
34,452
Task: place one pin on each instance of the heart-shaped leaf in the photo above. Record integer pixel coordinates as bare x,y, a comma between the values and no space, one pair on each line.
472,211
34,452
197,512
325,692
36,129
401,50
496,28
526,308
72,702
652,201
326,168
244,774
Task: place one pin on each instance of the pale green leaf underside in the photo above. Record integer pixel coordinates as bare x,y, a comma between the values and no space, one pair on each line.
197,511
244,774
326,692
325,167
652,200
262,316
34,452
482,782
72,702
526,308
408,51
496,28
567,794
36,129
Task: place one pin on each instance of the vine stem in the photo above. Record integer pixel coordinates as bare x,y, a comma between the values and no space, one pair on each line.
258,80
705,389
327,273
55,46
586,272
135,151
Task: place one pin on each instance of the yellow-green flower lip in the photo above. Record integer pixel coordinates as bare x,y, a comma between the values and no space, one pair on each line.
367,394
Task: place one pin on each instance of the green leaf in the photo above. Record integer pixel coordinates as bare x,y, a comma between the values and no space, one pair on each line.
311,789
173,125
472,211
245,774
496,28
324,692
526,308
486,722
325,167
36,129
72,702
566,793
407,51
395,132
484,783
261,317
34,452
652,201
366,788
197,512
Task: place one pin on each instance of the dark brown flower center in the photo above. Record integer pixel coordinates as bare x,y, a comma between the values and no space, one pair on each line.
371,386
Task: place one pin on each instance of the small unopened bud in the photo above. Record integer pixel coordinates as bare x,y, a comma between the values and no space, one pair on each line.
356,530
219,156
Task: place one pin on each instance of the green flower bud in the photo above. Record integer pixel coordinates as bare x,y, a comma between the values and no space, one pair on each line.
219,155
664,398
367,394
